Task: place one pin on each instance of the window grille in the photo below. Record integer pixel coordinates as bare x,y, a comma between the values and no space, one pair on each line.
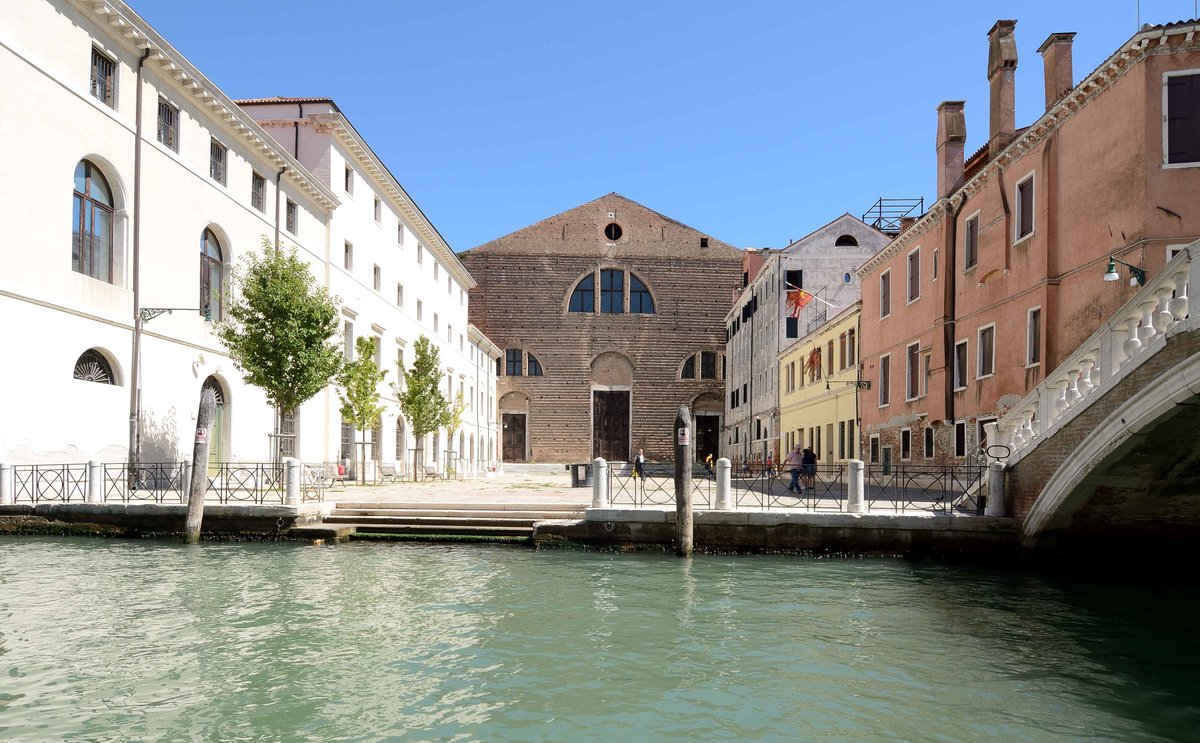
104,71
168,124
217,155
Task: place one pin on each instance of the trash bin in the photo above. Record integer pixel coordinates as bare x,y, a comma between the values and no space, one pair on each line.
581,475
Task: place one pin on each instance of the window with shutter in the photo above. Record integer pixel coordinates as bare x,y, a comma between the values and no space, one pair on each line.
1183,119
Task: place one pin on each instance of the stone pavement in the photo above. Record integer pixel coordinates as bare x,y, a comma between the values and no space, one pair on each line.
507,487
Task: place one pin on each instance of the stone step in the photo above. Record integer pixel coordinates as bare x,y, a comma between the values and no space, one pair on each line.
442,529
429,521
467,506
454,513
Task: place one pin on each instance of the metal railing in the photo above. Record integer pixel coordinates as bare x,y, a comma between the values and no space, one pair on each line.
917,487
161,482
247,482
65,483
770,488
657,488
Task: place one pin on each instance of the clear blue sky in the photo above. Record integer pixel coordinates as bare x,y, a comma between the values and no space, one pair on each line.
754,122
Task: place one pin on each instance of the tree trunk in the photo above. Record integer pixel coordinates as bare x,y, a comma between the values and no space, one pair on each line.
199,484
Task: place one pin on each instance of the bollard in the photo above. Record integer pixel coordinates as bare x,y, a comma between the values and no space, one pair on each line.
6,484
724,502
995,498
291,481
198,487
95,481
599,483
854,487
683,482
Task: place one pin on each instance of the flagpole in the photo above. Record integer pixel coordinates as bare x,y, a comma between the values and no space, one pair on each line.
827,303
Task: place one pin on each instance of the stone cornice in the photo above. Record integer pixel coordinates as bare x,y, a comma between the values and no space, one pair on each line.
476,336
338,124
1160,40
131,30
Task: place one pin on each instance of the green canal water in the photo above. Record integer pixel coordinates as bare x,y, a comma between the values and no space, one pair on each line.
105,640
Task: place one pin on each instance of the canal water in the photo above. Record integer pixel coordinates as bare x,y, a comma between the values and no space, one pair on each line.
106,640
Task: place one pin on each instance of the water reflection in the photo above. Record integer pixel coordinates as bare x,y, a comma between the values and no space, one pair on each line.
138,640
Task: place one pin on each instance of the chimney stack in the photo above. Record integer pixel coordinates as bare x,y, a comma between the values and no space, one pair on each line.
951,139
1002,69
1056,57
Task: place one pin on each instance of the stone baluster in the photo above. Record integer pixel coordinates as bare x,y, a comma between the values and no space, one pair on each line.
1027,426
1147,332
1097,376
1073,395
1179,304
1084,385
1061,403
1007,430
1132,345
1162,317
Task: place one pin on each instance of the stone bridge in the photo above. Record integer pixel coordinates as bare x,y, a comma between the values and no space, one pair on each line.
1104,455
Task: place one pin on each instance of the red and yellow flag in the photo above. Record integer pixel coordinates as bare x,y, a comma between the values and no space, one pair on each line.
796,301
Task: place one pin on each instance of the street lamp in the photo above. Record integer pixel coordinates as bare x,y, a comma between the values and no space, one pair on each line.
1137,276
861,384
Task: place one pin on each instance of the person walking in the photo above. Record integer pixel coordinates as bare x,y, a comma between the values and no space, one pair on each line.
809,465
793,464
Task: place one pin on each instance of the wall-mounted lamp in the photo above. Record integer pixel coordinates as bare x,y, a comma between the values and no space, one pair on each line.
861,384
1137,276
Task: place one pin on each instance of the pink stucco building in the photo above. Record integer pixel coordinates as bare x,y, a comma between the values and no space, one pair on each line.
970,306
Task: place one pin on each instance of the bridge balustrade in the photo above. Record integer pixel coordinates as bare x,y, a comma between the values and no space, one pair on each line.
1109,354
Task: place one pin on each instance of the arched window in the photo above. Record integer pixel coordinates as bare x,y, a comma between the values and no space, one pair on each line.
92,224
212,264
846,241
400,443
93,367
689,368
535,366
583,299
612,291
640,301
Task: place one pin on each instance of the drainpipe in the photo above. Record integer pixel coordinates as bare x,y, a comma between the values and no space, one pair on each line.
296,134
135,398
278,176
950,314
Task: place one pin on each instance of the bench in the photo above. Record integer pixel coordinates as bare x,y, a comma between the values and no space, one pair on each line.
432,472
386,473
329,473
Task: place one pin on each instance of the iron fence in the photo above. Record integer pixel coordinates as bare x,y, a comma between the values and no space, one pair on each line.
247,482
158,482
945,489
657,488
35,483
770,488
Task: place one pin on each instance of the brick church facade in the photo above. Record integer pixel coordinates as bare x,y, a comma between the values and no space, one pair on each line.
610,316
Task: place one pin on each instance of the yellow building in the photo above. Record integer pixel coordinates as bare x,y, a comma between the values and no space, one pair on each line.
818,390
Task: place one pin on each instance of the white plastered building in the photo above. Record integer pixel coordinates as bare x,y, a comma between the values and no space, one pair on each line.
117,217
759,327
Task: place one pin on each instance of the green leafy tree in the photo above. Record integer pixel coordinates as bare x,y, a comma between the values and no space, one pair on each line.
420,395
358,384
280,328
454,418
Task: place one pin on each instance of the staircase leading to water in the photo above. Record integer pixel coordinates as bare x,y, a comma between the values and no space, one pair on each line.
431,520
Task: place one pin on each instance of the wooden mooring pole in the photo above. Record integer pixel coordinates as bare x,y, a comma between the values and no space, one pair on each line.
683,482
199,483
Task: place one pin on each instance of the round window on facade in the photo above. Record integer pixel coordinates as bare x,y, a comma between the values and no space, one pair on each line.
613,231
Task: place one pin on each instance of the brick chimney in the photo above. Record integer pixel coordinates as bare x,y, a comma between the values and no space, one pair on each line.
951,139
1056,57
1002,68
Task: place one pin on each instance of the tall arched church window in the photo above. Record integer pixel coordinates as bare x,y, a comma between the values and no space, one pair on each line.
535,366
212,265
612,291
91,366
708,365
583,299
846,241
640,301
92,224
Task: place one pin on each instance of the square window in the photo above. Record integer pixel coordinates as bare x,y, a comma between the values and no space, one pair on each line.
399,295
400,234
885,294
420,309
348,257
168,124
420,254
913,372
987,352
293,217
914,275
960,438
885,379
1033,337
874,449
104,78
1181,117
971,242
217,156
928,442
960,365
258,192
378,277
436,324
905,444
348,336
1024,219
349,180
512,362
792,329
378,210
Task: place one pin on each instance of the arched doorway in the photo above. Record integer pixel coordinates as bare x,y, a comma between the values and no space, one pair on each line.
514,416
612,406
707,409
218,433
